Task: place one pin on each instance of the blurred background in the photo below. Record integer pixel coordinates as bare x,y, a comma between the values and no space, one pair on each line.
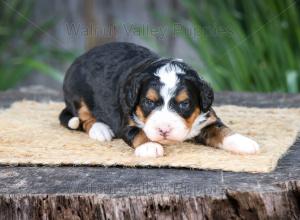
249,45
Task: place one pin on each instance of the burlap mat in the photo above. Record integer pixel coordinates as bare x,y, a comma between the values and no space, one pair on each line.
31,134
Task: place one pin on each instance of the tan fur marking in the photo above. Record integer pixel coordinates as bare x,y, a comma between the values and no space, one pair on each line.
152,95
183,95
139,139
190,120
86,117
217,135
140,114
131,122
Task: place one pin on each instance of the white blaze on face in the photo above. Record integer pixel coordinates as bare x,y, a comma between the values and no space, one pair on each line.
168,76
163,123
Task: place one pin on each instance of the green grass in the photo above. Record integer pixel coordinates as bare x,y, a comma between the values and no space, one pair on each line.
248,45
21,50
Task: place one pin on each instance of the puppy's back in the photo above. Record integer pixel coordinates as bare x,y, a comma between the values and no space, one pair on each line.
96,77
109,61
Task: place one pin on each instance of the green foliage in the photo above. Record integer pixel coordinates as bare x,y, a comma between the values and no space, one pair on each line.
248,45
21,50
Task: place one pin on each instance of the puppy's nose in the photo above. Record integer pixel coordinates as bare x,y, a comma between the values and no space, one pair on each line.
164,131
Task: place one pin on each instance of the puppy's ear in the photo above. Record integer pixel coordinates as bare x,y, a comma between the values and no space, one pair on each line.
132,89
206,94
131,92
133,85
204,89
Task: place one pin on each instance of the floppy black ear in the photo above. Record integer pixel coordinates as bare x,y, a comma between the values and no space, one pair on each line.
132,89
205,90
133,85
206,94
131,92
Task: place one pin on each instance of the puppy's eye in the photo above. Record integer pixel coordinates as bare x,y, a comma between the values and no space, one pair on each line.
149,103
185,105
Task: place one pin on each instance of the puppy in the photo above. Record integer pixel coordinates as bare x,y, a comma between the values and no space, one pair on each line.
122,90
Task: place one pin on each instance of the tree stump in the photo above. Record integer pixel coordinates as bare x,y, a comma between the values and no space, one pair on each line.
43,192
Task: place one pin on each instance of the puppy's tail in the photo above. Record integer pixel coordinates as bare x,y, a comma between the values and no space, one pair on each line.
68,120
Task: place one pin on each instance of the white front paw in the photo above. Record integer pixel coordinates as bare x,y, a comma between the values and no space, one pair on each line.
74,123
101,132
240,144
149,149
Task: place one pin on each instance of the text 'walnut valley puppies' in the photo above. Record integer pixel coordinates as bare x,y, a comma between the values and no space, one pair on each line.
122,90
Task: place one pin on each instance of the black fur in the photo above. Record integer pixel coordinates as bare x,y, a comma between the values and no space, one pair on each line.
104,78
65,116
129,133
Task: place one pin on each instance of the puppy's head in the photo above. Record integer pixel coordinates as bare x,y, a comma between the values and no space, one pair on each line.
169,101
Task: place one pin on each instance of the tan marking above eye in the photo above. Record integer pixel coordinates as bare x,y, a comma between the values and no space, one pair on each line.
152,95
182,96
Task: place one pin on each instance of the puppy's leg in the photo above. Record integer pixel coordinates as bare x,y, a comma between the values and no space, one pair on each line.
69,116
96,130
68,120
100,131
219,135
136,138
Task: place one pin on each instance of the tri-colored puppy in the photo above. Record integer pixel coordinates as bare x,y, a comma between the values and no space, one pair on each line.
122,90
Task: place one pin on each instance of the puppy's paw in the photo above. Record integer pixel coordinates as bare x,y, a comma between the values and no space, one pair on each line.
74,123
149,149
101,132
240,144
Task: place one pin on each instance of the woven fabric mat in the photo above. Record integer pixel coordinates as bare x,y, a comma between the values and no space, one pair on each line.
30,133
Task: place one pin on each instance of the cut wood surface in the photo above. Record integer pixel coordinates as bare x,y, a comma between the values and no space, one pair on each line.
149,193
